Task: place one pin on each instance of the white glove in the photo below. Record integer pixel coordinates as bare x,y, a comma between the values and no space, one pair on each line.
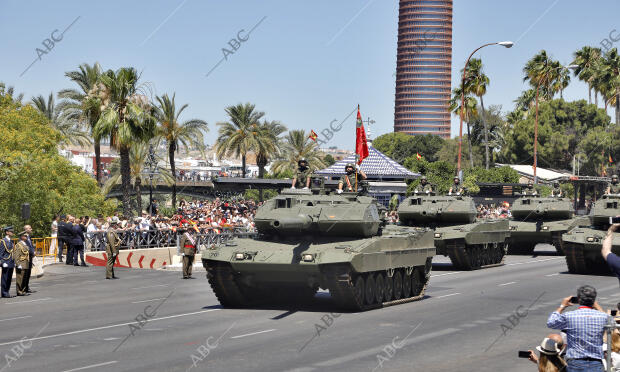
339,191
19,267
5,265
305,188
415,191
458,194
428,191
182,254
450,193
292,187
357,167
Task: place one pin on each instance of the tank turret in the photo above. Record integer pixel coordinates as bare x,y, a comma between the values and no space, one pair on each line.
437,210
537,208
298,212
607,206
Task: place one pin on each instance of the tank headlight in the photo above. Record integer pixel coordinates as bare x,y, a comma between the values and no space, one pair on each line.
545,227
308,258
591,239
239,256
437,235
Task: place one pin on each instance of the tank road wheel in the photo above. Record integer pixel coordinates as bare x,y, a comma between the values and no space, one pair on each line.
398,285
358,290
417,282
379,288
406,284
558,244
428,269
388,292
574,259
487,255
222,281
369,289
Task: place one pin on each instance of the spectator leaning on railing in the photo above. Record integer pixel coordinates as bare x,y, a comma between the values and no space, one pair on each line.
584,329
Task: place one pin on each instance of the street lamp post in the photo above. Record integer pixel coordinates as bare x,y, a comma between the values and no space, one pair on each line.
569,67
506,44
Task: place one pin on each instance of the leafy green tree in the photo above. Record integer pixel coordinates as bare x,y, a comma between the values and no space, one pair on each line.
399,146
610,75
297,145
188,133
473,176
562,126
31,171
267,147
449,153
439,173
236,136
127,119
10,90
85,105
328,160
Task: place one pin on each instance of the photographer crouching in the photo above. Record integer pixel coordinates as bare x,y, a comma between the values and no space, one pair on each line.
584,329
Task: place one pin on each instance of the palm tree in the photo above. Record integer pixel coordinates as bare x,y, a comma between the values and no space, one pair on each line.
610,78
10,90
470,111
267,144
188,133
587,59
297,145
236,137
525,101
138,155
476,84
127,119
562,80
68,127
85,104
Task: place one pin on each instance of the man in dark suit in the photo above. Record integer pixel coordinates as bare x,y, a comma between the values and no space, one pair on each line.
69,237
28,271
77,242
6,260
60,234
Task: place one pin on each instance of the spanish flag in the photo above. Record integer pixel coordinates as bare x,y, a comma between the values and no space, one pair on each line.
361,146
418,156
313,136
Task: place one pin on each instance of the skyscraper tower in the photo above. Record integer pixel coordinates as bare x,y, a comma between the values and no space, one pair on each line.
423,67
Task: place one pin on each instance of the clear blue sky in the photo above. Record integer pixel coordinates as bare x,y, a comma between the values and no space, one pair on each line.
306,64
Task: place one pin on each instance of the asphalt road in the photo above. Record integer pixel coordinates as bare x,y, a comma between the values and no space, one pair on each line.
155,321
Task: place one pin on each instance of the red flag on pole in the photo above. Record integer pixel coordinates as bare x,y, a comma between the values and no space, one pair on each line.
313,136
361,146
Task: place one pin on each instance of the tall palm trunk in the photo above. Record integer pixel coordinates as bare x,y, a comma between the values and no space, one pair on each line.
98,160
471,157
125,179
171,149
243,166
139,194
486,136
589,93
617,105
596,97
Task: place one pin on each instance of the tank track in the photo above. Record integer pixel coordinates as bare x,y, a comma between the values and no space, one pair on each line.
575,259
558,244
222,281
473,257
350,290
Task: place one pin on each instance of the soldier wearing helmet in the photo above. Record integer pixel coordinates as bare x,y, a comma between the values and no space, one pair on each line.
424,186
347,182
302,177
613,187
557,191
530,190
456,188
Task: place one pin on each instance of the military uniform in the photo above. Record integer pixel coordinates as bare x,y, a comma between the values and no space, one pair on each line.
556,192
423,188
188,247
530,191
302,177
348,181
21,256
6,259
614,188
111,250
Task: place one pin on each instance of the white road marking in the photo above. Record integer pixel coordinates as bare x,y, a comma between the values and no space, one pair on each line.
527,262
154,299
111,338
456,272
151,286
19,317
254,333
23,302
554,274
104,327
482,321
509,283
448,295
92,366
468,325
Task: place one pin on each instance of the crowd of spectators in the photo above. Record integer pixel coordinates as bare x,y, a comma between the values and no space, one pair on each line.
494,211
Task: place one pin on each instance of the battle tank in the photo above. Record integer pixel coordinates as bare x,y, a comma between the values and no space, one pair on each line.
470,243
310,240
538,219
583,244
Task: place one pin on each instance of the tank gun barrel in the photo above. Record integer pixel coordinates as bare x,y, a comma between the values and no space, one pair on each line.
286,224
